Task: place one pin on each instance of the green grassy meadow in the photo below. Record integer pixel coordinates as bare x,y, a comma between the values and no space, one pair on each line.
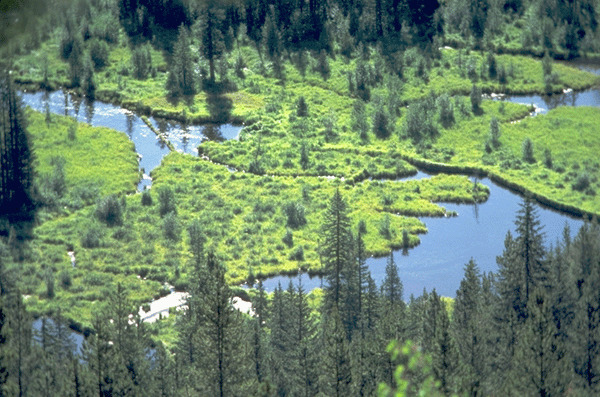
283,158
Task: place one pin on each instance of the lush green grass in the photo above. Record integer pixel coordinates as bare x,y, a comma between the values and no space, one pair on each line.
243,218
249,92
570,134
97,161
243,213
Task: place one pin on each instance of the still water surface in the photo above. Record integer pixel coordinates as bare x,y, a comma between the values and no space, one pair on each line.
150,149
477,232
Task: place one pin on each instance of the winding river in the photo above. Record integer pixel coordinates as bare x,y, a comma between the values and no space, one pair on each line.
477,232
149,147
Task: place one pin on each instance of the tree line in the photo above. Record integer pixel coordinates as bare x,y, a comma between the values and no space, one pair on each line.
531,328
193,34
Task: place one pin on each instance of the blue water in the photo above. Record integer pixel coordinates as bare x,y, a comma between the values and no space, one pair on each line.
150,149
544,103
477,232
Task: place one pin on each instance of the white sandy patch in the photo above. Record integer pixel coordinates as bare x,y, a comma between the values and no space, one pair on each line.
242,305
162,306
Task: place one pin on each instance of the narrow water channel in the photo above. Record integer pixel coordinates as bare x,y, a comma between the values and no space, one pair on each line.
477,232
150,149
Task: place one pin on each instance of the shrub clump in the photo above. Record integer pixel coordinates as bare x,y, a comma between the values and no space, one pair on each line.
527,148
171,227
301,107
295,215
288,238
476,99
91,238
297,254
581,183
166,200
109,211
146,198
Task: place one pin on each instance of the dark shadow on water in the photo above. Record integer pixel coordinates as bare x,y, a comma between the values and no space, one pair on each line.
89,110
219,107
213,132
130,118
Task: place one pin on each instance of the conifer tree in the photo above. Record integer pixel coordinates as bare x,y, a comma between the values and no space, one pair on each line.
540,363
197,240
336,246
529,246
467,329
221,358
585,332
335,376
5,287
391,288
16,157
211,37
305,379
438,341
181,79
282,339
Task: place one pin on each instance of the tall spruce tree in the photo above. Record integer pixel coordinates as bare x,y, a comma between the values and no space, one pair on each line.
391,326
282,339
585,332
305,354
181,79
391,288
220,355
336,247
16,157
467,329
439,343
211,37
540,364
335,376
529,246
5,288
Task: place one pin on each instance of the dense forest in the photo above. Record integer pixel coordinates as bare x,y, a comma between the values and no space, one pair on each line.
339,100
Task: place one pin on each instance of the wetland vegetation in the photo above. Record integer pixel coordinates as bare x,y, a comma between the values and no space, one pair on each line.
339,101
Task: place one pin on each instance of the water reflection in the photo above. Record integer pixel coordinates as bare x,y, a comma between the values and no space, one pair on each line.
130,118
150,149
89,111
477,232
545,103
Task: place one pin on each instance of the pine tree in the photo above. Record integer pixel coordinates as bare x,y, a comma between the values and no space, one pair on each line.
510,312
212,43
305,379
335,375
438,341
529,246
359,120
5,289
181,79
282,339
585,332
164,372
336,246
197,240
391,288
392,318
16,157
540,362
220,355
467,329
